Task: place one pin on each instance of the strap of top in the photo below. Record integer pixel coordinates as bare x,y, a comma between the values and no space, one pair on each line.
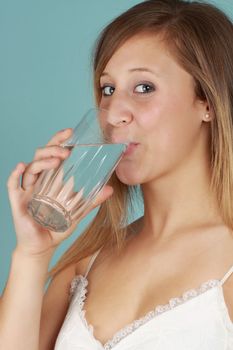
91,262
227,275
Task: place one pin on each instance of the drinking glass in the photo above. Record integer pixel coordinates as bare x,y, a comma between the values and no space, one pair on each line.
61,195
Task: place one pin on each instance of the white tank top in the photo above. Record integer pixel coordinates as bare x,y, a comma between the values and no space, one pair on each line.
198,320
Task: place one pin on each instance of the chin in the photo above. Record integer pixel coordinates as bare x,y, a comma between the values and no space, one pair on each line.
127,178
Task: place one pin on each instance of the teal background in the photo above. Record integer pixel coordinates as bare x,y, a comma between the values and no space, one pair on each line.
45,83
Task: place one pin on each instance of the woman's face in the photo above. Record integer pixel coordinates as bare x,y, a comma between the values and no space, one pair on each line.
143,85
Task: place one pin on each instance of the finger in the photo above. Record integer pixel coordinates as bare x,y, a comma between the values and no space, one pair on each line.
13,183
35,168
102,196
60,137
51,151
69,231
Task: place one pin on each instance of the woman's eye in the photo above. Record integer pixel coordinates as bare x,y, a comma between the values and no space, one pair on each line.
107,90
144,88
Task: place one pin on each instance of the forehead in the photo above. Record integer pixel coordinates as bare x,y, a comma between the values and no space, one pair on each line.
145,50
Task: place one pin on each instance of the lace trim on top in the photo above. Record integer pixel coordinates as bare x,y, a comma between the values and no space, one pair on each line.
81,283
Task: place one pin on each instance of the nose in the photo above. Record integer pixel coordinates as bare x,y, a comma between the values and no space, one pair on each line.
119,110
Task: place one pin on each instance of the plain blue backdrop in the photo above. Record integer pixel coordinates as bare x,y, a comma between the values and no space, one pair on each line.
46,83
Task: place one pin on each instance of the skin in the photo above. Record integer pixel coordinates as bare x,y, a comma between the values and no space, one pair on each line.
181,237
171,161
31,237
30,261
181,232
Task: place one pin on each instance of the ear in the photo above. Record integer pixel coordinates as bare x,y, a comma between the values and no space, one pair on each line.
205,111
207,117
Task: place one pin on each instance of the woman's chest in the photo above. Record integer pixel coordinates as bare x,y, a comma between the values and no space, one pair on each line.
195,322
119,297
136,288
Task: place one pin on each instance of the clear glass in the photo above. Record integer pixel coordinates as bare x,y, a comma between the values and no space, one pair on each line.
61,195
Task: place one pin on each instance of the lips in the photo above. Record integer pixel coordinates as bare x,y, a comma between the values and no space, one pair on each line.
131,148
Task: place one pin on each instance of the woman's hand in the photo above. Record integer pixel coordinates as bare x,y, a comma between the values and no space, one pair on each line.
31,237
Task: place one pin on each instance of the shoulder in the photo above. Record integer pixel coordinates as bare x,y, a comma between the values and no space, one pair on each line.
228,295
228,283
61,281
56,303
60,284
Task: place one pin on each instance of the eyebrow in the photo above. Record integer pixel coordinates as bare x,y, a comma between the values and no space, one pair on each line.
139,69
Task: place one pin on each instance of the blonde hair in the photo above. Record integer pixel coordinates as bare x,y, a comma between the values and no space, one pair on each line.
200,37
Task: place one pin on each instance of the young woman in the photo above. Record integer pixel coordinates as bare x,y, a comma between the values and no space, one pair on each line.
165,281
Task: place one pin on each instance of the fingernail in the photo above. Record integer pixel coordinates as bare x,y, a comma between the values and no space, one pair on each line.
20,167
63,130
51,160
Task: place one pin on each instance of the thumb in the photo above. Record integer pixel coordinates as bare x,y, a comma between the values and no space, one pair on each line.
14,184
104,194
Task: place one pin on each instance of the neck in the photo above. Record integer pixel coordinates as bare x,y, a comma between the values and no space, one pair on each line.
178,201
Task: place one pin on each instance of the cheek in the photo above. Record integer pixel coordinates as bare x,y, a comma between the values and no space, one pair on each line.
168,132
103,103
173,119
162,150
174,138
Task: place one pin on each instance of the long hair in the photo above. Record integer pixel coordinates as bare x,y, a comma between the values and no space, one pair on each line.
200,37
